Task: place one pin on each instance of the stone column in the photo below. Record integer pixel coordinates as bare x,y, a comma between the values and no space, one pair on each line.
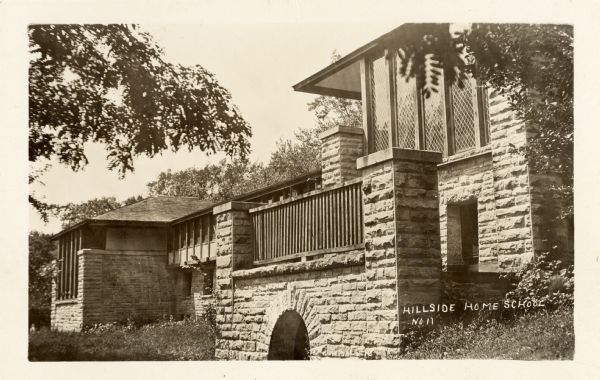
234,251
514,242
91,284
402,242
340,147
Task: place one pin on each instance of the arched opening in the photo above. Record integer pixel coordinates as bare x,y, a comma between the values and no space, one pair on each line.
289,340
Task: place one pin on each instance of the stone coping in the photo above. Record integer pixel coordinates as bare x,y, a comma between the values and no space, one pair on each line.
352,258
235,206
465,156
398,154
72,301
341,129
89,251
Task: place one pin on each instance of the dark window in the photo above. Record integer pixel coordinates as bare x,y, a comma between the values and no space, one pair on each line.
68,265
197,231
213,227
187,283
469,233
205,229
189,231
462,236
208,281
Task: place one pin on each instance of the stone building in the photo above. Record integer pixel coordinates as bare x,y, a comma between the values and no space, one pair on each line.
431,192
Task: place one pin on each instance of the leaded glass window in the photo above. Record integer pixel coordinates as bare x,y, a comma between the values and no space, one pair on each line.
380,104
407,114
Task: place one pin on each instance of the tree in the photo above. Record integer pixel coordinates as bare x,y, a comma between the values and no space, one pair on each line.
73,213
213,182
40,277
292,158
532,65
295,158
110,84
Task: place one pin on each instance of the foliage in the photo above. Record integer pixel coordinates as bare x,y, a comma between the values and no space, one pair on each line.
73,213
294,158
40,278
531,336
214,182
110,84
543,280
227,179
532,65
189,339
132,200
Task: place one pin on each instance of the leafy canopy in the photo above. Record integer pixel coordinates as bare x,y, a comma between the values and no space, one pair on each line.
110,84
292,158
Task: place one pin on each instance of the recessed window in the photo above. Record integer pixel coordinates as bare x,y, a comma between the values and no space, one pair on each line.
209,278
463,236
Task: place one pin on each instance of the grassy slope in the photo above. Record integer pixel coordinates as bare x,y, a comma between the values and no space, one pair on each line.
159,341
531,337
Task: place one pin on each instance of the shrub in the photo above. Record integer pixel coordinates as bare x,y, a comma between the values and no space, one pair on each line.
545,281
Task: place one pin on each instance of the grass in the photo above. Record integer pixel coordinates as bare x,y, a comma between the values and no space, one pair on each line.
182,340
532,336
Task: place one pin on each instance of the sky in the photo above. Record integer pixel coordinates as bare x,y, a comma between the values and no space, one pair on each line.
257,62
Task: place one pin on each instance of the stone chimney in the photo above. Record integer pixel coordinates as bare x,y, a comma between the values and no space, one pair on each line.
340,147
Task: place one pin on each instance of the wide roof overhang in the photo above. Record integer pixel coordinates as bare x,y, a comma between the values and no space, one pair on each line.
342,78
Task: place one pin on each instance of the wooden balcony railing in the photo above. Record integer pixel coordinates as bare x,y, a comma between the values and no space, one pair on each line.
192,241
317,222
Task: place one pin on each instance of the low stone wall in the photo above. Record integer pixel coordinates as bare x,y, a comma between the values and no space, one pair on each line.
116,285
66,316
329,294
122,284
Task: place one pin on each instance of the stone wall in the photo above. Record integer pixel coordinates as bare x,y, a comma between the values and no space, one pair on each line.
514,241
462,181
328,293
197,303
340,147
402,244
116,285
126,284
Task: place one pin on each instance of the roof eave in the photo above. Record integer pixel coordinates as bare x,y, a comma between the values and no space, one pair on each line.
309,84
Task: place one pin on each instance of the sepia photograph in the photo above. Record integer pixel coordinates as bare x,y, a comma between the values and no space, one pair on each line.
288,181
425,213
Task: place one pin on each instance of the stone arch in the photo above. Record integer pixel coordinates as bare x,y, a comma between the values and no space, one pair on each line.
289,339
296,300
